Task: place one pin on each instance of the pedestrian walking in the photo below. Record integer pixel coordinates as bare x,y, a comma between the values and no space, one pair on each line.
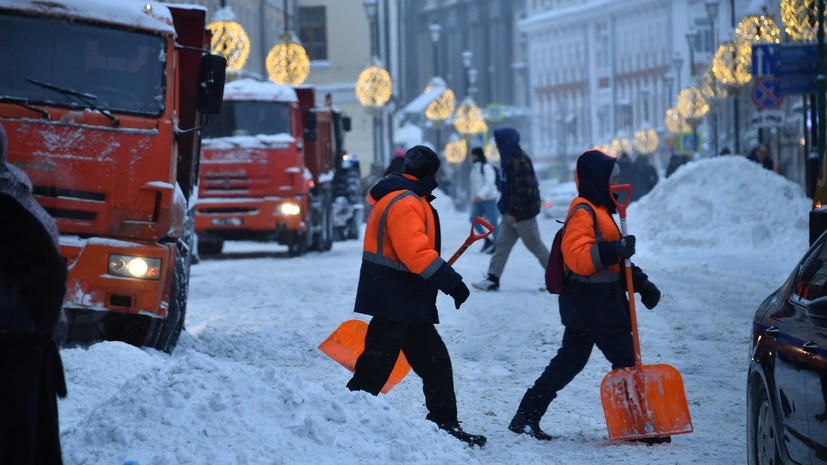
401,273
484,187
761,155
593,305
32,287
646,177
519,205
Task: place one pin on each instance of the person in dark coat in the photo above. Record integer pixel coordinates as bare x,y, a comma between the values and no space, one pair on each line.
761,155
675,162
646,177
628,170
397,163
401,273
593,305
32,287
519,204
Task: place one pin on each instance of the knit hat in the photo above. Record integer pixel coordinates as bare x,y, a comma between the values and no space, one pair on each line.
420,161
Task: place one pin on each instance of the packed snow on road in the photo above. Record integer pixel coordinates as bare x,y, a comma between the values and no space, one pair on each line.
247,384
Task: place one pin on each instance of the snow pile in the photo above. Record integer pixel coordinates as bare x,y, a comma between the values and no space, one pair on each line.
722,204
227,403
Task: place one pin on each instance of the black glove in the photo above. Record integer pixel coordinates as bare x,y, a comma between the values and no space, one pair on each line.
649,294
626,246
460,293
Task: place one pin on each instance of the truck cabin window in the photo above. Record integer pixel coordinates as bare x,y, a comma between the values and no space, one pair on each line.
79,66
250,119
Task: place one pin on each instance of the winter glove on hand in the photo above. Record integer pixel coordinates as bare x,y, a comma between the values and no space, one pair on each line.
460,293
626,247
649,294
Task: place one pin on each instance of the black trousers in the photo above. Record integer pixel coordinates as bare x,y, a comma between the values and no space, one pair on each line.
425,351
573,355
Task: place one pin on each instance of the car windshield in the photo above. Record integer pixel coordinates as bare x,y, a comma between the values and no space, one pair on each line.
250,119
115,69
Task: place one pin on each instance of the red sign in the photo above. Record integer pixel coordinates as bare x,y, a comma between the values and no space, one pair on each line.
765,93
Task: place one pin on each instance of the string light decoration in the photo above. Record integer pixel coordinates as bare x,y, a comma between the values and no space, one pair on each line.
440,108
730,67
753,30
468,119
621,144
374,86
229,39
646,141
605,148
800,20
287,61
674,122
455,150
713,89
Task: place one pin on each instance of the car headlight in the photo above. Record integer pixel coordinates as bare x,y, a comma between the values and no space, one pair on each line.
135,267
290,209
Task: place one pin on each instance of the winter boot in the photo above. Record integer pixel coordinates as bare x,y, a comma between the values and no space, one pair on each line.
487,245
456,431
491,283
527,419
655,440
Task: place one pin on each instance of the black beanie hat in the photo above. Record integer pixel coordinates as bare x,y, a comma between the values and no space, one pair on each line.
420,162
478,152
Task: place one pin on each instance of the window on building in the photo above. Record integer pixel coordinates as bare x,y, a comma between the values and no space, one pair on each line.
313,31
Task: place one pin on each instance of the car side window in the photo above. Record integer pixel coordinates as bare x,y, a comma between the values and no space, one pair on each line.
811,282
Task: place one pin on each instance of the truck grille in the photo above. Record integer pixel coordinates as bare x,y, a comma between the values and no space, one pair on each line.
52,194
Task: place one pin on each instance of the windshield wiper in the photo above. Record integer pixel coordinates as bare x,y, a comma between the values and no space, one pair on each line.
82,96
25,104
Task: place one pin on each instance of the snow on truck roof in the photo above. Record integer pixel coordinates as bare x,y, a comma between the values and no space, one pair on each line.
138,14
250,89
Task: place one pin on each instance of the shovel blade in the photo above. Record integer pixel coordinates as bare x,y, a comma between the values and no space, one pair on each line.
645,401
347,343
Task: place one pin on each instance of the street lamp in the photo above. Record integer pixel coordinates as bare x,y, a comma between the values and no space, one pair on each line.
374,87
677,60
287,62
229,38
712,12
440,109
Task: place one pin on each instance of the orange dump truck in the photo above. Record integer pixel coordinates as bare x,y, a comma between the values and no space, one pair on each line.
267,169
103,103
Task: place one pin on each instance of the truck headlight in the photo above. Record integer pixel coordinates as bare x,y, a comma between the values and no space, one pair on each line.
135,267
290,209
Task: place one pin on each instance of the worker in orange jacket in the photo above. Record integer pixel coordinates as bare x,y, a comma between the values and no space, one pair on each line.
401,273
593,305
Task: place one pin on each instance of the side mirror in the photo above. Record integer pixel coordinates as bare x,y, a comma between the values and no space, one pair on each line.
310,126
346,123
211,90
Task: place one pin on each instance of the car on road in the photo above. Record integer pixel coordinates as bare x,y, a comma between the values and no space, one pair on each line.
787,376
557,197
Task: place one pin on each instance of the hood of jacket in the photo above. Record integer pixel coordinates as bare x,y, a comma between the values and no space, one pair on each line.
396,182
594,168
508,144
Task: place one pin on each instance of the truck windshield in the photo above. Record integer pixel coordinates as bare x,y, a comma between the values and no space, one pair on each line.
250,119
122,70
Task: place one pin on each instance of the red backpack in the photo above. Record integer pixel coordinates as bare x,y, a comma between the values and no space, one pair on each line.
556,273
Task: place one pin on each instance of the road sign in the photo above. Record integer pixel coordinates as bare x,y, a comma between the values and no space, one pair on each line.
687,142
764,58
796,69
765,93
767,119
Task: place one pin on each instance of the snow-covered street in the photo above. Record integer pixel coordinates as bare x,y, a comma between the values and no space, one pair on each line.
247,384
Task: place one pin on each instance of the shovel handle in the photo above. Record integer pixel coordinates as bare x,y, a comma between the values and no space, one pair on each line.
473,237
630,288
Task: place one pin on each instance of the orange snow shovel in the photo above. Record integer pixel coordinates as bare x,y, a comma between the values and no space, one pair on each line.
644,401
347,342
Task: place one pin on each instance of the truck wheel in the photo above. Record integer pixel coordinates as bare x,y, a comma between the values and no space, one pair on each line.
169,329
297,245
210,246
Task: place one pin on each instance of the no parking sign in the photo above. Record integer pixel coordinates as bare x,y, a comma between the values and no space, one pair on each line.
765,94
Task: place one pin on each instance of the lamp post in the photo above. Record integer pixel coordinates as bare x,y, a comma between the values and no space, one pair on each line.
374,88
668,80
677,60
712,12
287,62
693,39
440,109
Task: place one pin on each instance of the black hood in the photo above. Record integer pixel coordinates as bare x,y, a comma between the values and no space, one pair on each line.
395,182
594,168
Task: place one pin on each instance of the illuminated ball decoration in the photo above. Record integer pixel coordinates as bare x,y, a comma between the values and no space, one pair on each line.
492,154
692,105
468,119
730,66
287,63
646,141
800,20
455,151
229,39
674,122
621,144
374,87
